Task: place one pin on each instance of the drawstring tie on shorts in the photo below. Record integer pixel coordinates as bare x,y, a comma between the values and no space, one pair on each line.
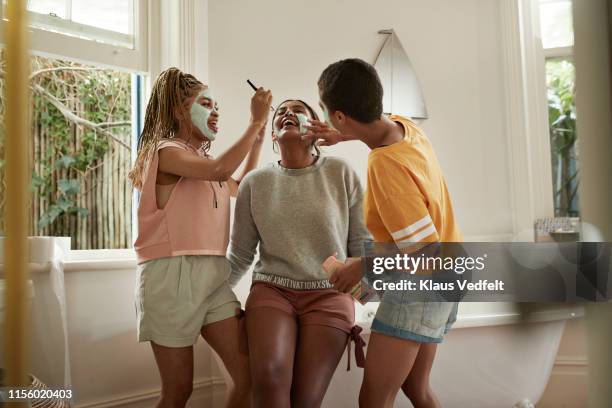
355,335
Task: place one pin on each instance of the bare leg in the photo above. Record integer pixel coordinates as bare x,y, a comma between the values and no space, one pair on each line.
416,387
176,370
224,337
318,352
388,362
272,340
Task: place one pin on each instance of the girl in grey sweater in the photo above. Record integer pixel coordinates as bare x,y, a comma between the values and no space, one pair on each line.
298,211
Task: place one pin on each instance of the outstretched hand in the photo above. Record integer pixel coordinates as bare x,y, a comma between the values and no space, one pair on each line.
323,135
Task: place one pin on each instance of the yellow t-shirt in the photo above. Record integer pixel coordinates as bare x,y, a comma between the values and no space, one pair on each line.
406,198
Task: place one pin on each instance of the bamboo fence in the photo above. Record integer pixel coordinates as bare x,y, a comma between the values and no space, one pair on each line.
104,189
105,192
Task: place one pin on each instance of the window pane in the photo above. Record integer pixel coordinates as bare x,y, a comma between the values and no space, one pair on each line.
79,166
560,78
51,7
107,21
113,15
556,23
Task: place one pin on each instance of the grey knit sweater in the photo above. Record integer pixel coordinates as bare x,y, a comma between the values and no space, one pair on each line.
298,217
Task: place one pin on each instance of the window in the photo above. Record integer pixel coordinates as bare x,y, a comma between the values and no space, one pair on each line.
86,85
109,21
109,32
558,41
556,24
81,151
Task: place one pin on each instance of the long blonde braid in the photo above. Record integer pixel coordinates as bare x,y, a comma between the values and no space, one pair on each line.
169,92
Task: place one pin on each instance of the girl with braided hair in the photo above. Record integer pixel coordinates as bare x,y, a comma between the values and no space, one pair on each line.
182,288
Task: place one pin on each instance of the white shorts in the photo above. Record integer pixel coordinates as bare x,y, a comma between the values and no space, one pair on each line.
177,296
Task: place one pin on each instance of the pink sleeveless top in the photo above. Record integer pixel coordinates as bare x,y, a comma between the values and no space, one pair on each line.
194,221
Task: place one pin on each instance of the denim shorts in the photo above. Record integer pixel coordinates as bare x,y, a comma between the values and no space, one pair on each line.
423,322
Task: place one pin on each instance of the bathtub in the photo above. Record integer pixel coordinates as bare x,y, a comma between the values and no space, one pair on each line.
490,359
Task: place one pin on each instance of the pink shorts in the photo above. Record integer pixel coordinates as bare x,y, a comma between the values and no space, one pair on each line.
322,307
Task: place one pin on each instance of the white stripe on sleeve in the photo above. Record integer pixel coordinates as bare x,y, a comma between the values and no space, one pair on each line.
421,234
411,228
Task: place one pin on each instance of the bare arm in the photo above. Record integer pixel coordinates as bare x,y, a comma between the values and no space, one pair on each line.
184,164
253,157
251,162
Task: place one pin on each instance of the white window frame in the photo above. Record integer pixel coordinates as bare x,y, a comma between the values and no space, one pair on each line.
164,36
559,52
63,46
65,26
527,129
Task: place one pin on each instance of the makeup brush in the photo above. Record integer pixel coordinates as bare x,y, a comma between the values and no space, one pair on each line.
255,89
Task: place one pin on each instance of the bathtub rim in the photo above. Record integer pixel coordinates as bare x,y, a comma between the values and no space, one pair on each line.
509,316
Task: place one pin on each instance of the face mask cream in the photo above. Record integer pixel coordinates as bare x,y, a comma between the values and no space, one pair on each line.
200,115
302,122
303,119
326,117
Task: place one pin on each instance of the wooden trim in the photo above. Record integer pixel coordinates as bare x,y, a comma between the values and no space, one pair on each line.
571,361
17,178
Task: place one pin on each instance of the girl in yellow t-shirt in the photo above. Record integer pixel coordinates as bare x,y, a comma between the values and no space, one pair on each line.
406,201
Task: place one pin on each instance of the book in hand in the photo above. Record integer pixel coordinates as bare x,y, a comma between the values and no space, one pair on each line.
362,292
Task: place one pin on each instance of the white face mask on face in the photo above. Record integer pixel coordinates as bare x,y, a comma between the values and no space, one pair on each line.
326,117
302,120
200,114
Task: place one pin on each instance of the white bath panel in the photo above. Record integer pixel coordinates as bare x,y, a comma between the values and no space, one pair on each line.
489,360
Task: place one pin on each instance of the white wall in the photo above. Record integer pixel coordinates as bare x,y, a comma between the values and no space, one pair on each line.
109,367
454,47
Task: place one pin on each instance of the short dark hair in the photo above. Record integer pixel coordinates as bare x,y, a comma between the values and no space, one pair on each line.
353,87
